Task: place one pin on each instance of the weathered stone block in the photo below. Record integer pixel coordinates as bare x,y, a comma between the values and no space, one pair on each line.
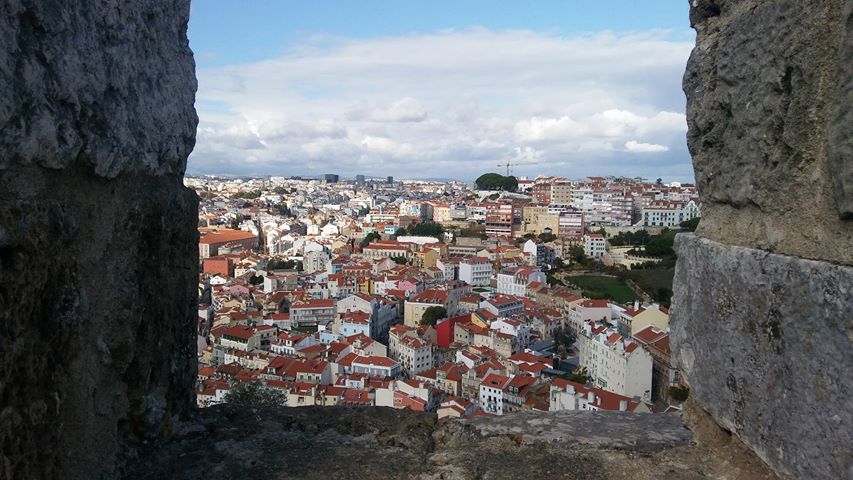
768,109
840,146
765,342
98,245
109,85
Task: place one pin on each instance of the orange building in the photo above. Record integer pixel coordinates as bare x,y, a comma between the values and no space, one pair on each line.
210,243
219,266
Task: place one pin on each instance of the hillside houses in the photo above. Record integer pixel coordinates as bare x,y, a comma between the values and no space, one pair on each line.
324,306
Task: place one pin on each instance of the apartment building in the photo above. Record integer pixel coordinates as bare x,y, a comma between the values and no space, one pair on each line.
616,363
666,213
414,353
313,312
499,219
476,271
514,281
594,245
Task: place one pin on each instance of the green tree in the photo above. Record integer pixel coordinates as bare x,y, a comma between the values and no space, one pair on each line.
551,280
576,253
640,237
247,194
254,395
256,280
661,245
580,375
663,296
281,209
564,337
369,238
426,229
690,225
235,222
400,260
277,263
496,181
433,314
547,237
679,394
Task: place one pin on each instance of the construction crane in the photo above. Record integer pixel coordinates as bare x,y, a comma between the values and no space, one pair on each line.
510,164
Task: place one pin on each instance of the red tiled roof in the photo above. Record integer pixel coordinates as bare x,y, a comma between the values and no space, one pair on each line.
225,236
377,361
313,304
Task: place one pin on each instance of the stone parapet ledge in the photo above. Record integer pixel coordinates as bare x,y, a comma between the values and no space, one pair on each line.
582,429
227,441
764,341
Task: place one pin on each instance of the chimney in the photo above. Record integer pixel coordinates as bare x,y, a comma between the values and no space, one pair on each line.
623,405
636,304
590,397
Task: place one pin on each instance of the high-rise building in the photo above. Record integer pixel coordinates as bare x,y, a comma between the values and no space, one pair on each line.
389,180
331,178
359,179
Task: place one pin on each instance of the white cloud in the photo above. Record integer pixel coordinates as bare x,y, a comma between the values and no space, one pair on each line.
540,129
450,103
403,110
385,146
276,130
638,147
238,136
607,124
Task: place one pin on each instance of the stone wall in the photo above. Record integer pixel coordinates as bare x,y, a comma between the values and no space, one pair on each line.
764,338
768,109
97,232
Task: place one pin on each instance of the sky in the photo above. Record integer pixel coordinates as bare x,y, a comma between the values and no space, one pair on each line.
441,89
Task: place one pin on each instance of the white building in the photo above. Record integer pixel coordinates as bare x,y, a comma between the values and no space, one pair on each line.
476,271
354,323
503,305
665,213
314,261
593,245
582,312
492,393
568,395
376,366
414,353
539,251
514,281
516,327
616,363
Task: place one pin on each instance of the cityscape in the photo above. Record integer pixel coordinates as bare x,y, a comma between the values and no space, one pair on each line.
444,240
505,295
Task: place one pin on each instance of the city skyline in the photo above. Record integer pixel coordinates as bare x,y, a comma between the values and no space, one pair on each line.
572,90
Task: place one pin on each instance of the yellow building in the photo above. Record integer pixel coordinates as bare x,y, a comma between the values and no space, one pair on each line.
653,315
425,257
535,219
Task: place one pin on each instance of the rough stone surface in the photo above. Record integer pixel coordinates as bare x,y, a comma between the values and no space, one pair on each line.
640,432
108,85
97,233
840,147
764,341
346,443
769,115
